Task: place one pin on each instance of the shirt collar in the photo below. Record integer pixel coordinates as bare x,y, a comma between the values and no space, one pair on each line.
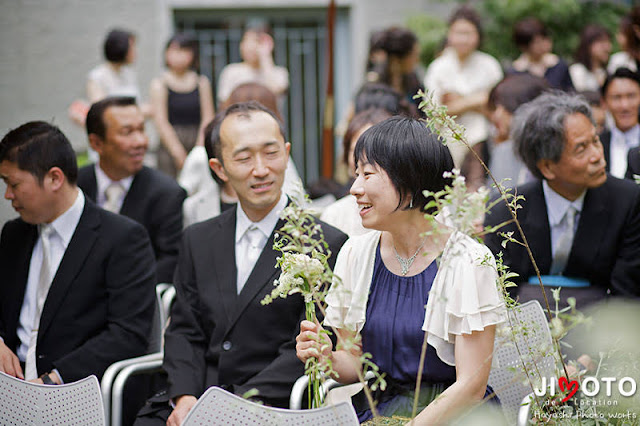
557,205
633,135
266,225
65,224
103,181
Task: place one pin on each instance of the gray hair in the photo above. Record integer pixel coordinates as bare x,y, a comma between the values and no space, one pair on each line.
538,130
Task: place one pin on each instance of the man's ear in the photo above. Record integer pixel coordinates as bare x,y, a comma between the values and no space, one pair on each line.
218,169
96,142
287,147
547,168
55,178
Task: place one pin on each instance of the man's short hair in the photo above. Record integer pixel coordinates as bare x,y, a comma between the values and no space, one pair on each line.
213,144
538,128
619,74
36,147
95,117
117,44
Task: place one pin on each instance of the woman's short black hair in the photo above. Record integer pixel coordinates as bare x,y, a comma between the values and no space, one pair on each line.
525,30
116,45
412,155
185,41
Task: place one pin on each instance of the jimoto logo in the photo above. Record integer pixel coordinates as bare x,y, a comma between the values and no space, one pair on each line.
590,386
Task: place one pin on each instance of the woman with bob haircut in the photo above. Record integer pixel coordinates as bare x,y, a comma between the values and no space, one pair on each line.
182,103
115,77
389,275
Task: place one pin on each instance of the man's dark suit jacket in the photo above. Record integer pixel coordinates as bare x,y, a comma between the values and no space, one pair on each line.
100,304
606,246
633,163
155,201
217,337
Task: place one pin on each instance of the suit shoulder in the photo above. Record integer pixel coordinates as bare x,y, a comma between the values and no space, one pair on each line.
16,227
226,218
160,182
332,234
621,186
86,173
117,223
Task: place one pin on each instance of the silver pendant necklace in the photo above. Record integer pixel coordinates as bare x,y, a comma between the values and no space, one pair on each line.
405,264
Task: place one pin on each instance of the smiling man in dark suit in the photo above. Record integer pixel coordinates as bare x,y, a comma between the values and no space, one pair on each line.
583,226
120,183
220,334
77,284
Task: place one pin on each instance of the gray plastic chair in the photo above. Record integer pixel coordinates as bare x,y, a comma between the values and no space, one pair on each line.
217,407
25,403
525,340
112,385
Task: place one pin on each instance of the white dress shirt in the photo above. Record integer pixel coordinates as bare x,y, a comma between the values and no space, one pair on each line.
103,181
64,226
621,143
557,207
265,227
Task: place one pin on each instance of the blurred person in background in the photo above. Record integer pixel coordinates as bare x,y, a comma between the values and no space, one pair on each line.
621,98
628,38
461,78
119,181
532,38
591,57
504,100
257,66
403,55
182,103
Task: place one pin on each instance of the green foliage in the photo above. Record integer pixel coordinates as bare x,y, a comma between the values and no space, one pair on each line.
431,32
564,18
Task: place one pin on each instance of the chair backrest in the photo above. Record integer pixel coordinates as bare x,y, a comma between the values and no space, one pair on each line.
159,322
217,407
522,344
26,403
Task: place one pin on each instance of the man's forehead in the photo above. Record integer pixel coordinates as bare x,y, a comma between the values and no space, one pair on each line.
259,125
123,115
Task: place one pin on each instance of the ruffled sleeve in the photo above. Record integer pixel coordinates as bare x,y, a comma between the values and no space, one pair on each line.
464,296
347,297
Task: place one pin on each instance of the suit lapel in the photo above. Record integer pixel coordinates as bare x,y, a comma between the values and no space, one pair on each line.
263,273
536,228
224,261
72,262
591,228
91,183
132,201
22,252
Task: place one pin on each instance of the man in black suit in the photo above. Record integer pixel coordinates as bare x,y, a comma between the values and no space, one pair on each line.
120,182
621,97
220,334
582,225
77,285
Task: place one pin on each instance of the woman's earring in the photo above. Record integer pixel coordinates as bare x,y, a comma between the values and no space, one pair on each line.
411,203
